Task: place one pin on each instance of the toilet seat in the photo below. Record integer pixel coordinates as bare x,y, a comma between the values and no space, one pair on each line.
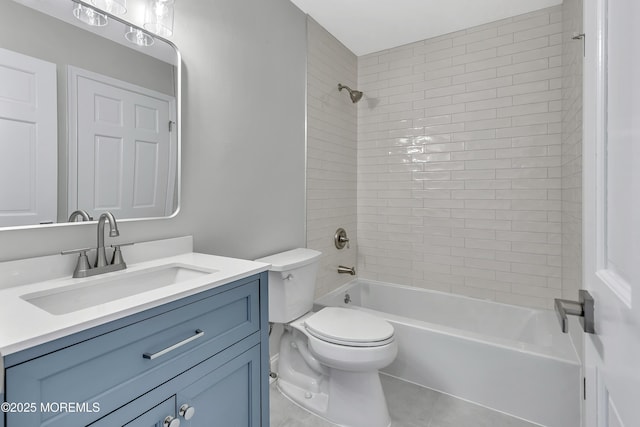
349,327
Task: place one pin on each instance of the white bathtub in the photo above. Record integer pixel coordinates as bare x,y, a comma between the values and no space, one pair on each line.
508,358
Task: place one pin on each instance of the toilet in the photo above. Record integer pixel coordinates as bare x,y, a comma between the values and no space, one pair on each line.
329,359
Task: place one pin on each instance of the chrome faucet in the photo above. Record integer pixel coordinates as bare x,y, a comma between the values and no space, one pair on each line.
80,213
101,258
83,267
346,270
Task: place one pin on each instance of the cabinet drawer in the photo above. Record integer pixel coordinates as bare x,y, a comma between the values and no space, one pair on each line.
222,390
115,368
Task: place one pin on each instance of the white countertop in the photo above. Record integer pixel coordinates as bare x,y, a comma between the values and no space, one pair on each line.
25,325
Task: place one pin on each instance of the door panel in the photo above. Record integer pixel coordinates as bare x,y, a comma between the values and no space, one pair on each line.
227,395
107,170
617,267
122,149
29,150
612,211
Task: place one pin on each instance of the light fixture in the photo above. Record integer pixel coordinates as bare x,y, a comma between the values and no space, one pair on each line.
159,17
89,16
115,7
138,37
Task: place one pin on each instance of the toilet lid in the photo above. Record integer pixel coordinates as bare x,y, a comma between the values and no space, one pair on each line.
347,326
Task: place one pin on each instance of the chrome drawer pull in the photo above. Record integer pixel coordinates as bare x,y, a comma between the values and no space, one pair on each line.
199,333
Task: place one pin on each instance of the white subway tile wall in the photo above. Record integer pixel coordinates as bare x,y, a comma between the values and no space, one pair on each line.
572,55
459,160
331,154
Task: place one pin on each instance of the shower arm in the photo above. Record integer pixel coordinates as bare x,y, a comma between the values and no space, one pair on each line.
341,86
355,95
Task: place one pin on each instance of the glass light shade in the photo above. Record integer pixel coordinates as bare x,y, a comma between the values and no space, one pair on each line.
138,37
89,16
159,17
115,7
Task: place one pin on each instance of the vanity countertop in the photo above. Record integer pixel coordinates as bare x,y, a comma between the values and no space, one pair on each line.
25,325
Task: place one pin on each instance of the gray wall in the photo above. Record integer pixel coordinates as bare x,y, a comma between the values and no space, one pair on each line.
243,158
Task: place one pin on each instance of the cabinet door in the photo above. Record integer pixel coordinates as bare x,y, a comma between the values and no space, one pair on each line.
228,396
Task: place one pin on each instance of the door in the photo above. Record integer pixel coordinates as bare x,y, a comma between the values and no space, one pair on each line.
226,396
611,209
124,146
29,150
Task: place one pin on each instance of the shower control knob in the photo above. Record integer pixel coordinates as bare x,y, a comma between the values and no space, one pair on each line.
187,411
171,422
340,238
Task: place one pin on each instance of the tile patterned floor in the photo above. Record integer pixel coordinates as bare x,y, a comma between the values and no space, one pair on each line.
409,406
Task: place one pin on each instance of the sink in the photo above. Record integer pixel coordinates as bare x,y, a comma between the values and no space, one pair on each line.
100,290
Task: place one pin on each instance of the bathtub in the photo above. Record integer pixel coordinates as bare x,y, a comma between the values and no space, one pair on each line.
508,358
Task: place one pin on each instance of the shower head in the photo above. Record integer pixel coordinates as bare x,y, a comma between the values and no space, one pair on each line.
355,95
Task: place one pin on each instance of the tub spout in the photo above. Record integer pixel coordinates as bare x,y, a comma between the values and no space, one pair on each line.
346,270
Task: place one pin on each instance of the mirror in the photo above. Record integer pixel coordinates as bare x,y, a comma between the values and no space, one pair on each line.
88,119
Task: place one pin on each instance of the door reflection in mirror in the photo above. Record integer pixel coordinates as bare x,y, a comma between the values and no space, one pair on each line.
44,176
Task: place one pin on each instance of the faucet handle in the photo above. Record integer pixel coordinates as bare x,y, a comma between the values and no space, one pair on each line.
118,245
340,239
83,266
75,251
117,254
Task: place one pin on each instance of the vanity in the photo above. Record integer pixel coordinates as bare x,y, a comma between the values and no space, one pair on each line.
190,351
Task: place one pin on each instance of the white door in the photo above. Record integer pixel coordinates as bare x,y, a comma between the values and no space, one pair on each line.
126,155
28,140
612,210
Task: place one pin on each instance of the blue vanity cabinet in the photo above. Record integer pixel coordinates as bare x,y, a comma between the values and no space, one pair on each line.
208,351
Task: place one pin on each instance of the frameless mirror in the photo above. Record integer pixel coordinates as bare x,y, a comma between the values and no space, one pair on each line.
89,113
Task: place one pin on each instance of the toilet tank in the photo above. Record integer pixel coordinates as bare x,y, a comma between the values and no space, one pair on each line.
292,282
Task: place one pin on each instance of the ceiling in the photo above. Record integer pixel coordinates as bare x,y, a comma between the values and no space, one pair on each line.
367,26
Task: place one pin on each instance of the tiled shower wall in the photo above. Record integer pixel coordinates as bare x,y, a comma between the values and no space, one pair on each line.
459,155
331,154
572,57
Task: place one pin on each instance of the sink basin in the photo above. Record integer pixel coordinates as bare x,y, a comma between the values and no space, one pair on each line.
99,290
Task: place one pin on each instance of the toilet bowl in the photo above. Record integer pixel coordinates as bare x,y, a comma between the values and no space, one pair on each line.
336,375
329,359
